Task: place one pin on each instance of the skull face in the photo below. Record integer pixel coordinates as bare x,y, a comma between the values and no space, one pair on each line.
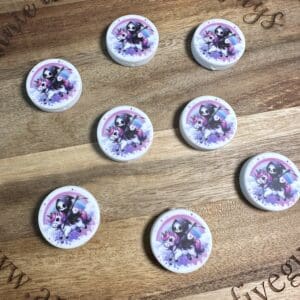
271,168
119,122
204,111
219,31
47,74
131,27
181,226
177,227
61,206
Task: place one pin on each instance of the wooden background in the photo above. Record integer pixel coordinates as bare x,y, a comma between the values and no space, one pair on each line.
41,151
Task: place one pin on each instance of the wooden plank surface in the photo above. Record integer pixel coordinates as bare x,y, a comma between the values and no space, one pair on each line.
41,151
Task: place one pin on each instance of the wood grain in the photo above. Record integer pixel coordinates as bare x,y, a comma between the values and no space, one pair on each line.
41,151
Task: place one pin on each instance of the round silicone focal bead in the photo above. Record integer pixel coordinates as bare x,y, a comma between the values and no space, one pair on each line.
181,241
69,217
270,181
132,40
54,85
218,44
125,133
208,123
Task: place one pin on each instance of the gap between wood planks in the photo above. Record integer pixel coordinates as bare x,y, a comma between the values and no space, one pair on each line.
252,129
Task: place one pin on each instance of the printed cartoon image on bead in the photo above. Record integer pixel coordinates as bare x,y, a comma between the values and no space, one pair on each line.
126,133
68,217
210,123
182,242
133,37
52,84
274,182
220,42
